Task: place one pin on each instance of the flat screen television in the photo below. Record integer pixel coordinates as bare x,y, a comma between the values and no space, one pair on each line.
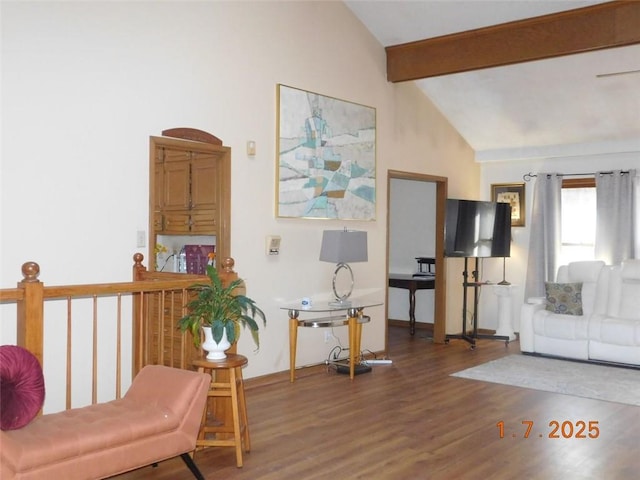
477,229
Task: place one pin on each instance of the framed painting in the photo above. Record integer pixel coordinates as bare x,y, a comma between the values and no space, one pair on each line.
513,194
326,149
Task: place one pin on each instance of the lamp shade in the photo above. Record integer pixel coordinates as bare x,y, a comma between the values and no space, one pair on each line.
343,246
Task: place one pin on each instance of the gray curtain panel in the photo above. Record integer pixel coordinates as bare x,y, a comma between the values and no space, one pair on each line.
545,233
614,216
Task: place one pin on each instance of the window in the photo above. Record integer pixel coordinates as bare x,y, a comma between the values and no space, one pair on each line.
578,235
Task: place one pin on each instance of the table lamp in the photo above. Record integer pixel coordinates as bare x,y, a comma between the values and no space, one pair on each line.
341,247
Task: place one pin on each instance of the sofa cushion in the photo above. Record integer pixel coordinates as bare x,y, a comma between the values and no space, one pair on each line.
70,434
564,298
631,270
585,271
615,331
624,291
21,387
558,326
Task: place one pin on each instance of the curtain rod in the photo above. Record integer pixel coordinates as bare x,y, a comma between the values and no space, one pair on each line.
528,176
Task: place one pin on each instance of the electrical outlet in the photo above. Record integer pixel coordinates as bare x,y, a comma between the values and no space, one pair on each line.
327,337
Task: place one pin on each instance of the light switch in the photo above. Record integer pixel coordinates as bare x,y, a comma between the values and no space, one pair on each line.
273,245
251,148
141,239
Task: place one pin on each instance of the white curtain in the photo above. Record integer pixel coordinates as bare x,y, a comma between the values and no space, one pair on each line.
545,236
614,216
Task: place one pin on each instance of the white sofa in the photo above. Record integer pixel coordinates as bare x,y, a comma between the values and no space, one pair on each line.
609,328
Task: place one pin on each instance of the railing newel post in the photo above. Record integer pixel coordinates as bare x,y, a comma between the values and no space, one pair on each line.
30,311
138,314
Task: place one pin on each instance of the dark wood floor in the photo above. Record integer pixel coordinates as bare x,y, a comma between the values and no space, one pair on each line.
412,420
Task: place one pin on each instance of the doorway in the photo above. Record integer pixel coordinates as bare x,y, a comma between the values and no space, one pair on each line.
435,203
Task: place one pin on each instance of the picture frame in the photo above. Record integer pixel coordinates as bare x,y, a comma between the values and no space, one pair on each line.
326,157
513,194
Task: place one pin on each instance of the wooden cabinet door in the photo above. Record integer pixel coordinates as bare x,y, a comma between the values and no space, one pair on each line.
176,222
176,181
157,222
204,181
157,195
204,222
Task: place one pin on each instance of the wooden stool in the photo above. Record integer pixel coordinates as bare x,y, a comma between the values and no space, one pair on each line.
226,382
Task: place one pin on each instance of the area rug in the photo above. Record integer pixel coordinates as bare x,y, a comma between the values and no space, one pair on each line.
612,384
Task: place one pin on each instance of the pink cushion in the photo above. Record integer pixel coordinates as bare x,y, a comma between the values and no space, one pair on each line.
21,387
72,434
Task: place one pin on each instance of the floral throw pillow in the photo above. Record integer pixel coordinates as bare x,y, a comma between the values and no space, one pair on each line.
564,298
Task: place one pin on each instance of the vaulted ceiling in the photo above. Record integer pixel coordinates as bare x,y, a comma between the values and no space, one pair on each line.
568,105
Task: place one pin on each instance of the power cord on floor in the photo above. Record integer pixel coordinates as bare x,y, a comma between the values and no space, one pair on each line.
372,355
336,354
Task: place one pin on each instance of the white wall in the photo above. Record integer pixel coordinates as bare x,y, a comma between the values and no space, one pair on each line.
84,85
513,172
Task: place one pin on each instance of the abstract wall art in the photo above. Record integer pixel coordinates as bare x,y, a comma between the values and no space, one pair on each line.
326,149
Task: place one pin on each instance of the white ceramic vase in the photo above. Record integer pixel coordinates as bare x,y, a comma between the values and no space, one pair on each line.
215,351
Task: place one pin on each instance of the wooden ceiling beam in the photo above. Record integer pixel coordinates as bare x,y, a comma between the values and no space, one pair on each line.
605,25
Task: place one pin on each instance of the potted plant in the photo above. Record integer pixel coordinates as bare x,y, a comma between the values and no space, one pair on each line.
221,314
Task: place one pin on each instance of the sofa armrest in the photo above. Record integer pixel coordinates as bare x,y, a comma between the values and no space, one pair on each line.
536,300
527,311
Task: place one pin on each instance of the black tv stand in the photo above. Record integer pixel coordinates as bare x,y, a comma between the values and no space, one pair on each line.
472,336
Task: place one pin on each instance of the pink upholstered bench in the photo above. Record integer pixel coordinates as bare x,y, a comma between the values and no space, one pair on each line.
158,418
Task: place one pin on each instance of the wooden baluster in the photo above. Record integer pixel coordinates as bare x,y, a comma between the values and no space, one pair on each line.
30,311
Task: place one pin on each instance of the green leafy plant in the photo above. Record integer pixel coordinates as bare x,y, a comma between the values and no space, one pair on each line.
218,307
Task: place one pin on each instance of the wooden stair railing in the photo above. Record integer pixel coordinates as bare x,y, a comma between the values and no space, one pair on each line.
150,293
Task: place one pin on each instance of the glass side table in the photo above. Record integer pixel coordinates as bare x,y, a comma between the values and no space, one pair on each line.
354,318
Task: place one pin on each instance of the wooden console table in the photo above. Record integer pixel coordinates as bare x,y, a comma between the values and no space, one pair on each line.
412,283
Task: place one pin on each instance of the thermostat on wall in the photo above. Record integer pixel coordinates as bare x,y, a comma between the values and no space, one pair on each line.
273,244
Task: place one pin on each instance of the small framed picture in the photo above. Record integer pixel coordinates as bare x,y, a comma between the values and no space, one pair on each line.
513,194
